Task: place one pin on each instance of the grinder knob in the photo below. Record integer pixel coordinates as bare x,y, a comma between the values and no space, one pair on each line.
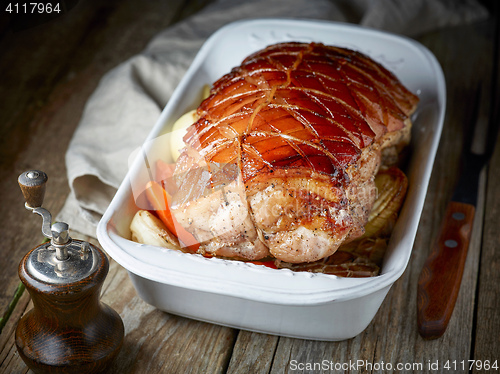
32,185
68,330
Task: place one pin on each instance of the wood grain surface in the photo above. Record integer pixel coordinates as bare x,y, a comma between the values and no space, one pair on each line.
48,74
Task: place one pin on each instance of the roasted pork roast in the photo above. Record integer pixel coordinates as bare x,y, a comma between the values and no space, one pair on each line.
282,159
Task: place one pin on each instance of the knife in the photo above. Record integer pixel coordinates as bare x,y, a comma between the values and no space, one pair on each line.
441,276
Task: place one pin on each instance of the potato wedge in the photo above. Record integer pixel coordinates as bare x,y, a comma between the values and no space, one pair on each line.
147,229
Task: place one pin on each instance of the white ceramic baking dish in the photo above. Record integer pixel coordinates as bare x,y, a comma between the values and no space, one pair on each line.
253,297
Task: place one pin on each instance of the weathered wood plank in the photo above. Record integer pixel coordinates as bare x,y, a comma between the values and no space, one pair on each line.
10,362
252,353
486,341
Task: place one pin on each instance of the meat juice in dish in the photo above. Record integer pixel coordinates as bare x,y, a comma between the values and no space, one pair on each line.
290,160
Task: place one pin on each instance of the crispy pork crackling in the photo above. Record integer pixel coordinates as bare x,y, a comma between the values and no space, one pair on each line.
282,159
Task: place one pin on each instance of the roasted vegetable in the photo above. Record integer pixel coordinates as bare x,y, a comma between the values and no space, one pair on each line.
160,201
146,228
391,184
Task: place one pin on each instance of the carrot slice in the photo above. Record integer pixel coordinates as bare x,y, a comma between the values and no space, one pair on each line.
160,201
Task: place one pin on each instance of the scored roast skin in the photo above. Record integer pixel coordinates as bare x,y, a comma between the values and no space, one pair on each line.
282,158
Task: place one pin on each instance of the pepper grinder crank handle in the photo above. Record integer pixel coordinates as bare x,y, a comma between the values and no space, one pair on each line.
69,330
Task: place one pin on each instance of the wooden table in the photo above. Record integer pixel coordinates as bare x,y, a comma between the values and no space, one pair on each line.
48,73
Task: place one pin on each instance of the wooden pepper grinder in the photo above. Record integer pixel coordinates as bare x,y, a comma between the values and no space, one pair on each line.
69,330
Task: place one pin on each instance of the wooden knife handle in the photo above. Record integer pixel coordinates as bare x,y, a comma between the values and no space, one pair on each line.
441,275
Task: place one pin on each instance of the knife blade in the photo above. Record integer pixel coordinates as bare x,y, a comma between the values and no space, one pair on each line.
441,275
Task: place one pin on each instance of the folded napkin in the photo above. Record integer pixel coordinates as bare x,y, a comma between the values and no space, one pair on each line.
129,99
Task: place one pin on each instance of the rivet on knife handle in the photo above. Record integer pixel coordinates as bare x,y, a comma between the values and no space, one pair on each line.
441,275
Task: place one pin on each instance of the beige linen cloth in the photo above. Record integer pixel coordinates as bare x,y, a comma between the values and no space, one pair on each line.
129,99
